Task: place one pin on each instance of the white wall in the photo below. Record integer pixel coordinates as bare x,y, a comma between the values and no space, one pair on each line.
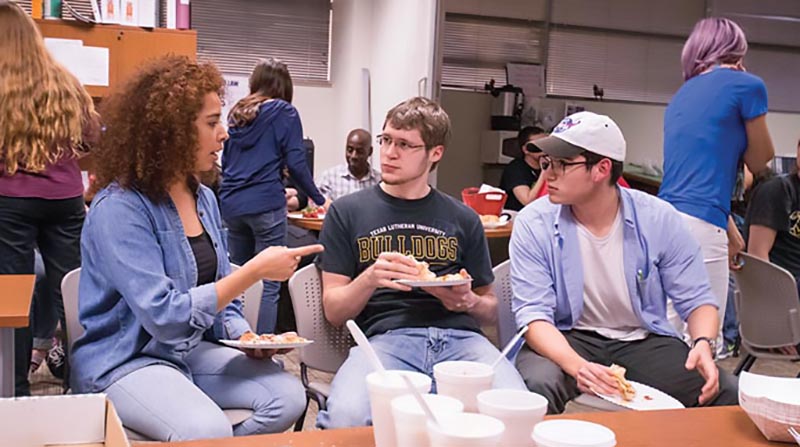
330,112
391,38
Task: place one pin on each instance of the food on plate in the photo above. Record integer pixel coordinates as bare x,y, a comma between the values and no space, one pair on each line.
423,271
462,274
269,339
313,212
425,274
625,388
646,397
489,218
248,337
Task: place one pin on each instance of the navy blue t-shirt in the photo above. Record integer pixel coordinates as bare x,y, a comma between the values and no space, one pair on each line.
704,139
436,229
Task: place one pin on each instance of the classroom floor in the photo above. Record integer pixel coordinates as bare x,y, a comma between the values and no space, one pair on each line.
42,382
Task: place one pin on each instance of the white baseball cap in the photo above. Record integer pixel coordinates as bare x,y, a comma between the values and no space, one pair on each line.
584,131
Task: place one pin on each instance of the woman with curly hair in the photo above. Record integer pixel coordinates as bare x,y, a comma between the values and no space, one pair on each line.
716,122
266,135
47,119
156,287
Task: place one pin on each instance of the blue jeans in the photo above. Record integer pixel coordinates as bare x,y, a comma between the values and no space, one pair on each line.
730,325
161,403
411,349
248,235
44,314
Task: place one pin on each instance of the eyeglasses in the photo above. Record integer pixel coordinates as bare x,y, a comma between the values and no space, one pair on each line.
385,141
532,148
559,166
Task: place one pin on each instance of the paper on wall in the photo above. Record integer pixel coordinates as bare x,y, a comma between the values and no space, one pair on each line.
88,64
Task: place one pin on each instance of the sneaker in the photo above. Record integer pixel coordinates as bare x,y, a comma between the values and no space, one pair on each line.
55,360
727,351
37,357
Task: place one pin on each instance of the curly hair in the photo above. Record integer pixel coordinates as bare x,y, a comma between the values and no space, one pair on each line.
150,139
45,110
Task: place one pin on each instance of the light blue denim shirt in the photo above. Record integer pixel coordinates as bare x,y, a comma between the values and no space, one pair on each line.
660,257
138,298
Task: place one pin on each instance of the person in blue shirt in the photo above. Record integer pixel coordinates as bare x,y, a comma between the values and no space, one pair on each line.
715,121
265,135
156,289
591,269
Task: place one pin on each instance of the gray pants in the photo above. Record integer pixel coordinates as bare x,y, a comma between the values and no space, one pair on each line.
657,361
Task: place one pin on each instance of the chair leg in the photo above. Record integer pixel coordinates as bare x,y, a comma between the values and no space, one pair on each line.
745,364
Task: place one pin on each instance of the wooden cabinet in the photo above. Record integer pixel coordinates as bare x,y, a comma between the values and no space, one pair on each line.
128,46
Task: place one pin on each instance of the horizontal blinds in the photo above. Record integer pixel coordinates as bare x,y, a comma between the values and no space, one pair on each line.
236,33
627,67
476,49
25,4
778,69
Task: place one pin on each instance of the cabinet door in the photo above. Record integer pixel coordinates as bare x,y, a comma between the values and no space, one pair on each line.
93,36
140,45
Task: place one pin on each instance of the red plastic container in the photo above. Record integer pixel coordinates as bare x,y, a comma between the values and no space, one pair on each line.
487,203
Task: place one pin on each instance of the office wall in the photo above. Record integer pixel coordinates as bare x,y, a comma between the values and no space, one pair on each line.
330,112
394,40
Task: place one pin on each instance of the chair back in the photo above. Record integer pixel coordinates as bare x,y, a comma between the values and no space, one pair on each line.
69,293
506,324
767,304
251,301
331,344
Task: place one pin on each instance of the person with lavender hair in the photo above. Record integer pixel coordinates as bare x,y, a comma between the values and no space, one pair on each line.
715,123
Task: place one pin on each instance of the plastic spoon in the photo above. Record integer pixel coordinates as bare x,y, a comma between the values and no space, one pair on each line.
509,346
424,405
364,344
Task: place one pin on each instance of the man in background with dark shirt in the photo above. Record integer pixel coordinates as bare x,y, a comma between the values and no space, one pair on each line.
368,236
773,221
522,179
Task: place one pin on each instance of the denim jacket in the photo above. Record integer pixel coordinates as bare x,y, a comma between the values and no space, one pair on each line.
138,298
660,258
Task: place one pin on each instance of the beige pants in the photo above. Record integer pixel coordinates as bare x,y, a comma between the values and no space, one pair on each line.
714,245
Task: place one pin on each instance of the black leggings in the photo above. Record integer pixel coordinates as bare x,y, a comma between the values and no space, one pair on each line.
55,226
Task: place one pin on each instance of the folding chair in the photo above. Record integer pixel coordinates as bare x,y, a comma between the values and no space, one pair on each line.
769,311
331,344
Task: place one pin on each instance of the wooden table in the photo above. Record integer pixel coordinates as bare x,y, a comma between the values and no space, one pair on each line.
316,225
16,292
697,427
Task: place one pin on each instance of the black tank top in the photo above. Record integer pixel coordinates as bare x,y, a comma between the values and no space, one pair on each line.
205,257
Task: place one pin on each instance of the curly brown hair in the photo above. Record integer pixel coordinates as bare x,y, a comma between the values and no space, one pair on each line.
150,139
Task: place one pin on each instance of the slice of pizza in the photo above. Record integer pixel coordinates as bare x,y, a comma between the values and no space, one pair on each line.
248,337
625,388
423,270
462,274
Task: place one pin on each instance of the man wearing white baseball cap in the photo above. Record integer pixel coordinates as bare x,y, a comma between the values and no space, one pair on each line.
591,269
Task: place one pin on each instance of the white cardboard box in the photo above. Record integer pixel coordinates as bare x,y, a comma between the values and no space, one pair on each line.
80,420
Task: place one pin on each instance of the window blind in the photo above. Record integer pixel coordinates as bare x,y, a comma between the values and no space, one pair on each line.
236,33
476,49
626,66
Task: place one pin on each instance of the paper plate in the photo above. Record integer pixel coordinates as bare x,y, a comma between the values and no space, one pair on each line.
491,225
647,398
265,344
414,283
